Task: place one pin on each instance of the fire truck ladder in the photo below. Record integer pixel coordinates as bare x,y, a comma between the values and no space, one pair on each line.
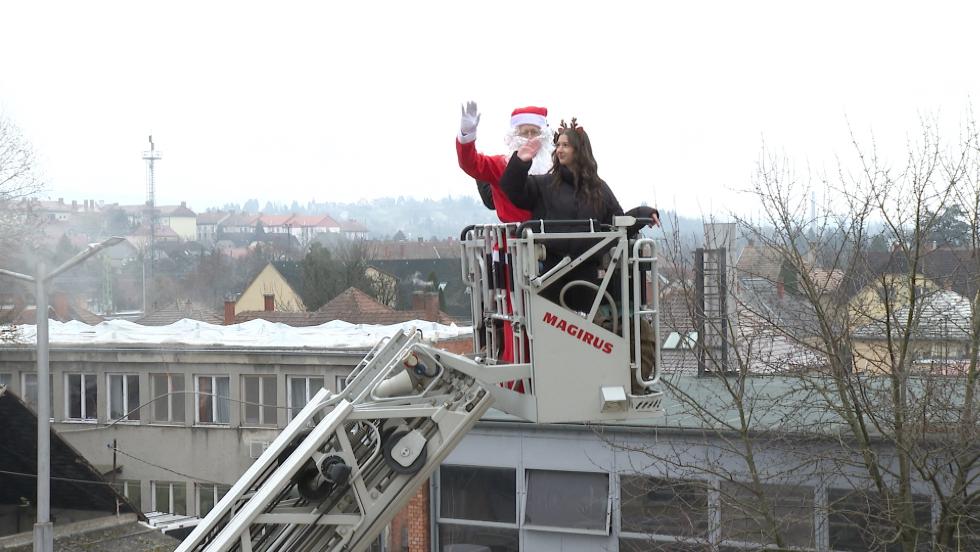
343,467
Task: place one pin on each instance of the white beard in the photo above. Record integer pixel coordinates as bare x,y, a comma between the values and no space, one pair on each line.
542,161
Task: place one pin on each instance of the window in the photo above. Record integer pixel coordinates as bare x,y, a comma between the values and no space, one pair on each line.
477,537
82,395
677,341
169,497
650,544
212,400
208,495
301,390
260,400
567,500
744,514
29,385
859,520
130,488
168,397
662,506
124,397
5,379
484,494
341,383
478,508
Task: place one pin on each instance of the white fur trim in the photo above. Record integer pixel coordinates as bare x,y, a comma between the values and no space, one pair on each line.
466,138
528,119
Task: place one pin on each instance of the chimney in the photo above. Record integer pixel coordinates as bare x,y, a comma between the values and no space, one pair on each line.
61,201
74,205
427,301
780,290
183,204
270,302
59,303
896,246
229,312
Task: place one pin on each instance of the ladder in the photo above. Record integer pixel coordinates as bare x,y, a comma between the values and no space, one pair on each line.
342,468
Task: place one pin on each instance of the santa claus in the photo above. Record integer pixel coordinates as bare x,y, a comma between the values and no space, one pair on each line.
526,123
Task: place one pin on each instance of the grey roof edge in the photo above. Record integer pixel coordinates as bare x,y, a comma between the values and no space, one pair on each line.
60,530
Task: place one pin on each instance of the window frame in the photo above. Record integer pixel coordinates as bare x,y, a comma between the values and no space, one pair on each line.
214,489
780,497
522,513
33,404
480,522
309,395
126,487
84,376
262,403
168,396
171,486
127,408
694,537
214,400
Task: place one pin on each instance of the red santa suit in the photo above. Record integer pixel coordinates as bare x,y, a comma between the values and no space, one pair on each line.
489,168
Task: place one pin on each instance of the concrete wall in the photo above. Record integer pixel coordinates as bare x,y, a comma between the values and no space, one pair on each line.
196,452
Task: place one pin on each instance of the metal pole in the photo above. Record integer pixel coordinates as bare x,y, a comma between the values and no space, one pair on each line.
43,530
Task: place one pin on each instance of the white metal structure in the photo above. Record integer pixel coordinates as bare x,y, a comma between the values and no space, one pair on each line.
343,467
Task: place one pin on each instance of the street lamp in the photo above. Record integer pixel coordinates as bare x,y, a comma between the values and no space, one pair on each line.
43,530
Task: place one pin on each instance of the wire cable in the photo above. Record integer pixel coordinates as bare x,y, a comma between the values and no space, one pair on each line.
164,468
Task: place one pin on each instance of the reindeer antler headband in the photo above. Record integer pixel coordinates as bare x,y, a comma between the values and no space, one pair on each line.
565,126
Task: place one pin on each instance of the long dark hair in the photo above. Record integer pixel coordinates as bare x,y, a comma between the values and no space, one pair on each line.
583,168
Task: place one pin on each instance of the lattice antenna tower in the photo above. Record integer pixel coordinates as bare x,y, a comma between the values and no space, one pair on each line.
150,156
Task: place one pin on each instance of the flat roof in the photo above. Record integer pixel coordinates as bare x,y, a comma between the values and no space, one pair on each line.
254,334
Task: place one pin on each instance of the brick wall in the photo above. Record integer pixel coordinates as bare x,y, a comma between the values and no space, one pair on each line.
410,526
458,345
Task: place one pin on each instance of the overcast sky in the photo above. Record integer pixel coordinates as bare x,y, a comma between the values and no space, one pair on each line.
339,101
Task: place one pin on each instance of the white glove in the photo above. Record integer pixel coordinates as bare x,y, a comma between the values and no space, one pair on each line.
469,119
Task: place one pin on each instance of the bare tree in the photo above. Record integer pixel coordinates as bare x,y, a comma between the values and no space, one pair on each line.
850,387
18,183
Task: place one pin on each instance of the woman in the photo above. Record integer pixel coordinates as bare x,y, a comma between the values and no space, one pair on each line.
571,190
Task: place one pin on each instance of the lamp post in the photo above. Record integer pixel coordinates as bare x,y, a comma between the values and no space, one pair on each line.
43,529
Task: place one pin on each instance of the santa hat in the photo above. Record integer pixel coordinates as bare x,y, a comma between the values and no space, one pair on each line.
530,115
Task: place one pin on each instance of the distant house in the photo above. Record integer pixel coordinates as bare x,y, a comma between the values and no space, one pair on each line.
123,251
240,223
180,310
353,230
182,220
53,210
401,250
356,307
940,334
161,233
276,224
19,308
306,227
207,226
759,262
279,282
414,275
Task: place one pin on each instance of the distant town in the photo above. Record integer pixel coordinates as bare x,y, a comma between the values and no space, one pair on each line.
175,262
